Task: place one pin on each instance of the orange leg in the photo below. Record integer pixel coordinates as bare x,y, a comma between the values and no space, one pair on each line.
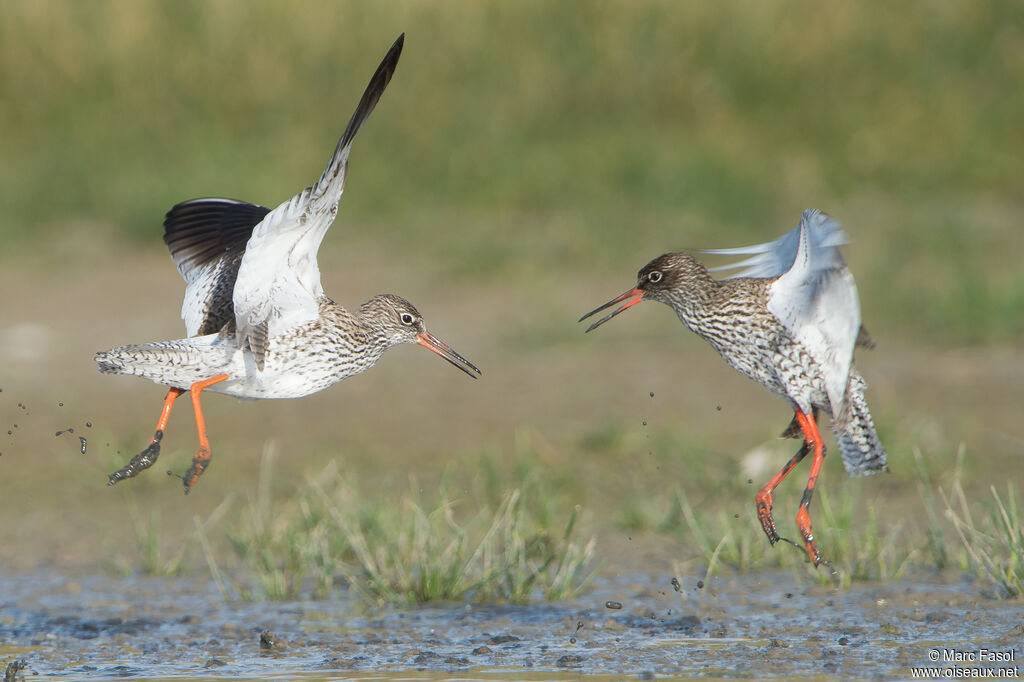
763,499
147,457
202,457
803,516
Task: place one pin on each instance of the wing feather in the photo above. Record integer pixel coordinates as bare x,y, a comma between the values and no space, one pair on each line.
815,299
278,281
207,238
773,258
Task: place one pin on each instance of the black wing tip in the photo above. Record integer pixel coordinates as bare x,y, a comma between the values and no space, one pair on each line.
375,88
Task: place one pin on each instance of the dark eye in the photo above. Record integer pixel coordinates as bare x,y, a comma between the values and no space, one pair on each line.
407,318
654,277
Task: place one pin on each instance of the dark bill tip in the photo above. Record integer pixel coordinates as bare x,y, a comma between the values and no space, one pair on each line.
636,295
432,343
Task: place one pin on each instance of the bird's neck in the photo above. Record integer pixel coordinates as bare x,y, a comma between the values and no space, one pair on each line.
356,331
694,302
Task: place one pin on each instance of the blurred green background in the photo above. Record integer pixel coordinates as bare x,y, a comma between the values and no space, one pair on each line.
525,161
529,137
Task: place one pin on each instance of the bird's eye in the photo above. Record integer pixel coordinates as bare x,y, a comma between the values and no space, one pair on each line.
654,277
407,318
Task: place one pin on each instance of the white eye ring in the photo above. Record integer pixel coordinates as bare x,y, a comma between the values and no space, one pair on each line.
407,318
654,277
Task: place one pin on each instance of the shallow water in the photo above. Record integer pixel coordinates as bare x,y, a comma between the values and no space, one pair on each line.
740,626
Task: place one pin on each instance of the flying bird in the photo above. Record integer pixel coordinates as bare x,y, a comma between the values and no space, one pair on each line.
258,322
789,319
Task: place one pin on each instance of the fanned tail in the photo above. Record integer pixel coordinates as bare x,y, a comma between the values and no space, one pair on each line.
862,452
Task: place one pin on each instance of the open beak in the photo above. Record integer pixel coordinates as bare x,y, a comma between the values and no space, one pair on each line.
432,343
635,296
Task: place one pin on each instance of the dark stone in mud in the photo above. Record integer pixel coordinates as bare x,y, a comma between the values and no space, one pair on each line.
777,643
269,641
456,660
345,663
424,657
214,663
570,661
12,670
502,639
483,650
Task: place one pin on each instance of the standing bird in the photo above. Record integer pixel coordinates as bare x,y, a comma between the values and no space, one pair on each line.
789,320
258,322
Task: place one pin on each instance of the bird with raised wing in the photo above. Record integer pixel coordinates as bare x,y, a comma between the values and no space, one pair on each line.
258,322
789,320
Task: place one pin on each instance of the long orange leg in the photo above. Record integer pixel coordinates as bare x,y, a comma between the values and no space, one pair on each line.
202,457
763,499
147,457
803,515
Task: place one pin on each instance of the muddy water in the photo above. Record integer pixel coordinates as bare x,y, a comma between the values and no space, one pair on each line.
741,626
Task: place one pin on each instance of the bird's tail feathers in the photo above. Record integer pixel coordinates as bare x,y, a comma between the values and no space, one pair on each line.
859,445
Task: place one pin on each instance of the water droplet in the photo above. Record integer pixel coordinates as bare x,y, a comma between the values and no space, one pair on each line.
613,605
675,584
644,422
718,407
700,584
10,433
88,425
60,404
82,439
70,429
652,394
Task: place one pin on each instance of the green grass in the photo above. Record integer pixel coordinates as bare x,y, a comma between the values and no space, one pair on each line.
405,549
995,542
478,537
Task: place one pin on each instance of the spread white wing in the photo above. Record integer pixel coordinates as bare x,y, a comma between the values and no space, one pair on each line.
814,297
278,285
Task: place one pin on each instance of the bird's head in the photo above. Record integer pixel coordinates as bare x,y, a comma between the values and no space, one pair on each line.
664,278
400,322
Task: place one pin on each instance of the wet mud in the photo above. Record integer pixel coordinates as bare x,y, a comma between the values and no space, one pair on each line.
632,626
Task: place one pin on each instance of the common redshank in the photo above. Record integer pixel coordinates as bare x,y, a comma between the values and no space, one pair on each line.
789,320
258,322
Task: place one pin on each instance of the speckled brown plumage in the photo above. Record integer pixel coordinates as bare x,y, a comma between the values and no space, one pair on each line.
792,331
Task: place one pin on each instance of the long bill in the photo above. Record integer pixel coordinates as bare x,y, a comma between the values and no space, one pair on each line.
432,343
636,295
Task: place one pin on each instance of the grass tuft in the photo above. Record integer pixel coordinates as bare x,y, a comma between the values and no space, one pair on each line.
408,551
994,543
